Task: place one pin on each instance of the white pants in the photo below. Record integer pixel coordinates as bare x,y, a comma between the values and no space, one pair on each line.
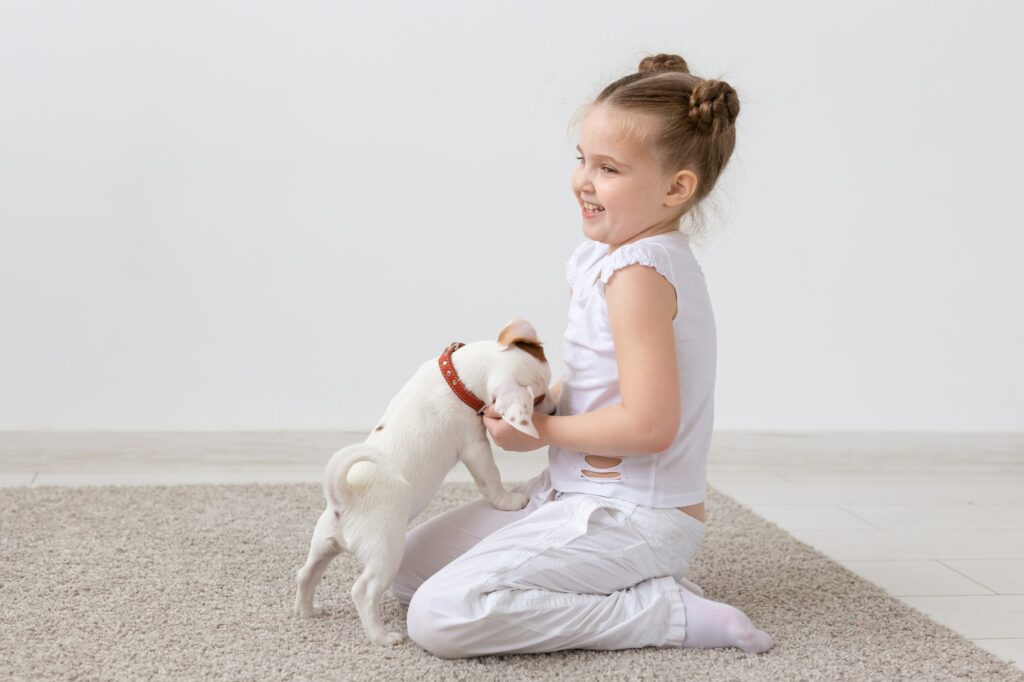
569,571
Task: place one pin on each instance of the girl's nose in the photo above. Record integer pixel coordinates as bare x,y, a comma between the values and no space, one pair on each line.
581,183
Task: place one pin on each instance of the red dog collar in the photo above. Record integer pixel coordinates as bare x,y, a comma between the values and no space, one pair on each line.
452,377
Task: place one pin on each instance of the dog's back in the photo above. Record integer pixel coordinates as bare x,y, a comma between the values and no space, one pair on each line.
418,438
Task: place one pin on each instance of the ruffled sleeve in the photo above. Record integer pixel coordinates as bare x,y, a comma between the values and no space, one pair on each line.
651,255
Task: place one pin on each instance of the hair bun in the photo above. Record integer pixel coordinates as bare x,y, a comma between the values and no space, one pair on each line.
713,106
663,62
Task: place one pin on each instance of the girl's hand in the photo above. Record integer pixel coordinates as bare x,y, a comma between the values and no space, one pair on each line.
508,438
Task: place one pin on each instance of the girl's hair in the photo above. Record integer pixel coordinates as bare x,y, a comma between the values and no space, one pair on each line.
695,119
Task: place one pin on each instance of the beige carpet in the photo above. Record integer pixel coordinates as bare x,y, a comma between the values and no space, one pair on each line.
189,582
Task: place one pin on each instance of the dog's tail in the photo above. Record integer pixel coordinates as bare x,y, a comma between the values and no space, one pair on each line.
337,488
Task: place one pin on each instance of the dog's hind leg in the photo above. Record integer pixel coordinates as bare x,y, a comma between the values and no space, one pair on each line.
380,550
323,547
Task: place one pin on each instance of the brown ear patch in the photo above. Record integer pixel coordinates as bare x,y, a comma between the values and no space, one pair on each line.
532,347
521,333
517,329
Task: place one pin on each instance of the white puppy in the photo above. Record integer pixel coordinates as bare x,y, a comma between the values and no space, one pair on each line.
375,488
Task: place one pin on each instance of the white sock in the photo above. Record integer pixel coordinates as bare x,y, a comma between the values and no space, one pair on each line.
712,624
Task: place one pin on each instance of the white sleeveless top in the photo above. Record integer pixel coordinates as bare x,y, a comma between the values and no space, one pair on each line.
677,476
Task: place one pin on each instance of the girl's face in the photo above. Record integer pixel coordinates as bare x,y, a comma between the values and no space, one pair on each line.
618,173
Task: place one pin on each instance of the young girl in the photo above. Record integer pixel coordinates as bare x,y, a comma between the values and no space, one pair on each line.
598,557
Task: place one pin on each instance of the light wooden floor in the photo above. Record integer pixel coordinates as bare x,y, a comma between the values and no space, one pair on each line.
937,520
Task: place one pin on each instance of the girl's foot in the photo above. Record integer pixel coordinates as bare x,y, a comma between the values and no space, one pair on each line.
712,624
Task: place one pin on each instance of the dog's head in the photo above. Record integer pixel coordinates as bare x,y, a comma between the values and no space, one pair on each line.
518,382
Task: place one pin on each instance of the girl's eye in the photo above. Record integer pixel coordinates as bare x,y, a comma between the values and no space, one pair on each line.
610,169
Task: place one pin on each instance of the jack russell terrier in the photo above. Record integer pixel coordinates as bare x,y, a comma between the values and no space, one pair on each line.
375,488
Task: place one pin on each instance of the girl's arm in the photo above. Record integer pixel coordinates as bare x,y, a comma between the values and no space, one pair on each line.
641,305
609,431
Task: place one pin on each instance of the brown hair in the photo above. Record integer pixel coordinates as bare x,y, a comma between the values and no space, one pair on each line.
696,118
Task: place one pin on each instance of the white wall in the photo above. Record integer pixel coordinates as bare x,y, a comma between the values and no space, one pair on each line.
244,215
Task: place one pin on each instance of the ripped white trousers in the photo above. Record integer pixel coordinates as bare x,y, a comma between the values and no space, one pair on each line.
568,571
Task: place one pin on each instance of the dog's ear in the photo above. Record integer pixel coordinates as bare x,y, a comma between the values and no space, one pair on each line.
515,405
520,333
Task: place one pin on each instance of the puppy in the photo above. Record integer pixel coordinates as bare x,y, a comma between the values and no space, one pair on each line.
375,488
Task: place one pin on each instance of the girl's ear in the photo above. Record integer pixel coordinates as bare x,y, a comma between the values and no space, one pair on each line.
518,332
684,186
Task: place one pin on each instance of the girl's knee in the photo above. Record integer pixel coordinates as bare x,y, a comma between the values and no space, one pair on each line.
400,590
435,622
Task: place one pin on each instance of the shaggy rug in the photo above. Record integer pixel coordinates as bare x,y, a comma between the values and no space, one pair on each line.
198,581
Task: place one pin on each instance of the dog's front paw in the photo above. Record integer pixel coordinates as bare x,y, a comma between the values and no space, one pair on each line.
510,501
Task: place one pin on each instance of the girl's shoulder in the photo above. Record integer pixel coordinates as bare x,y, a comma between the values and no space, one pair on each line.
660,252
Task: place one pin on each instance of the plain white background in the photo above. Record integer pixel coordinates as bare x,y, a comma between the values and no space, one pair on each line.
267,215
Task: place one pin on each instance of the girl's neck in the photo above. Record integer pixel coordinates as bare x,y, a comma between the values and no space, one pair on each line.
649,232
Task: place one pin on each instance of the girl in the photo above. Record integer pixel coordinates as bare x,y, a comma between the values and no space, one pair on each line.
597,557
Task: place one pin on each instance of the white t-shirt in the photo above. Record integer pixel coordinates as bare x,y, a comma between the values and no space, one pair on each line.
674,477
